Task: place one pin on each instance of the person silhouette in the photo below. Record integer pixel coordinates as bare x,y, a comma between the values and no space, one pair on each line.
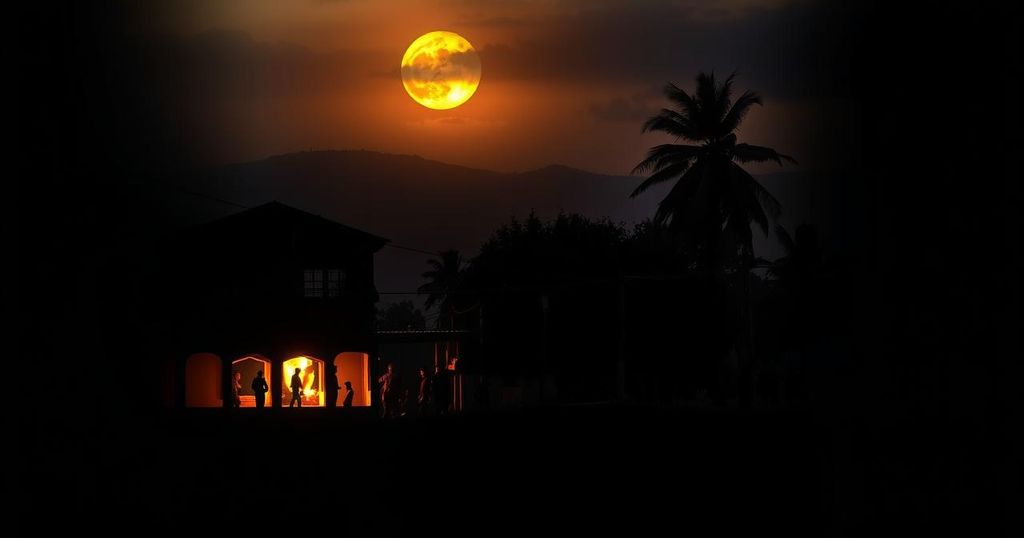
296,387
332,386
423,399
260,388
403,402
388,392
236,389
349,394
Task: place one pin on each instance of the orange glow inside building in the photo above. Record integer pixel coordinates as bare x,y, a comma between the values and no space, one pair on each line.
205,384
311,375
203,381
354,368
248,367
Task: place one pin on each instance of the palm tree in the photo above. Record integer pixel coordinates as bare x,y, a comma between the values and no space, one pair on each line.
443,278
802,258
806,289
713,195
712,192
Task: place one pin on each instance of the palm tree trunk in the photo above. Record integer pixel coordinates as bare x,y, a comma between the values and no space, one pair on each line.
746,357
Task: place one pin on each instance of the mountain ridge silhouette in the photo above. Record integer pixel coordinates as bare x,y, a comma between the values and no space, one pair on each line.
422,203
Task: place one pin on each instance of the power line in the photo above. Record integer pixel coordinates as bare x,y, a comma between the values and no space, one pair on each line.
183,190
214,198
559,286
411,249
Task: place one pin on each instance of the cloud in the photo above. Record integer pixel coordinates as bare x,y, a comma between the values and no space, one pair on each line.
632,109
782,51
456,121
444,65
602,62
220,64
494,22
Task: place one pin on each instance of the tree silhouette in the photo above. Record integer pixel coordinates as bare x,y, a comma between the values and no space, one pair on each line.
443,279
713,196
802,258
546,291
399,316
712,192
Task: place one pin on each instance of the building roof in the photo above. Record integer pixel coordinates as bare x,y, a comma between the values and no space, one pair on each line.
278,215
420,335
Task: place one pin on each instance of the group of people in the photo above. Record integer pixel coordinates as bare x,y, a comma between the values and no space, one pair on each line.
434,397
260,388
331,389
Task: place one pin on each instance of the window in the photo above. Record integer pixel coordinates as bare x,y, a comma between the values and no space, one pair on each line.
313,283
322,283
335,277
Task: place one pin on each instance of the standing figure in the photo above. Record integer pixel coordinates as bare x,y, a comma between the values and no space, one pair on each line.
349,394
332,386
296,387
388,391
236,389
423,400
260,388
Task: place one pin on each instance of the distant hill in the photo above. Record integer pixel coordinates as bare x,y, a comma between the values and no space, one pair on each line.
385,193
422,203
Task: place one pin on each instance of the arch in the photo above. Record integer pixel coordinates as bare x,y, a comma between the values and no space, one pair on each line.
354,366
203,378
248,365
311,373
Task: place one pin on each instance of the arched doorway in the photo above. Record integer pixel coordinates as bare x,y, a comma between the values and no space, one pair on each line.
203,378
354,367
311,375
248,366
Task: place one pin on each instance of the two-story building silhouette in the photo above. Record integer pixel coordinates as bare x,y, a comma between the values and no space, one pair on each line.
270,289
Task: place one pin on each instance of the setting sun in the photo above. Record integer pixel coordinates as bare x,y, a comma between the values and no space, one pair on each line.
441,70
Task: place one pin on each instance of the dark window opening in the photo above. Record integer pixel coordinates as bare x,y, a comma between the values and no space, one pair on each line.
335,278
313,283
323,283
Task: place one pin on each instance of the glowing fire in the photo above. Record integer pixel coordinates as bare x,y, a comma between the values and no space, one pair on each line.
308,374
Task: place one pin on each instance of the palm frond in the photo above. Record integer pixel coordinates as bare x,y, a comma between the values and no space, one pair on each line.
666,173
723,98
707,89
751,199
738,111
443,278
771,205
686,103
671,122
707,96
749,153
664,155
679,198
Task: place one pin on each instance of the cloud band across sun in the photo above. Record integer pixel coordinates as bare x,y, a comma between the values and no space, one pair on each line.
441,70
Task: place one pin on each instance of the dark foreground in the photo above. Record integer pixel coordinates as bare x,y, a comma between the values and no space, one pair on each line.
634,470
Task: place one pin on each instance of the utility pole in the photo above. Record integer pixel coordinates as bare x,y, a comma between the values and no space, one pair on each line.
544,306
620,373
